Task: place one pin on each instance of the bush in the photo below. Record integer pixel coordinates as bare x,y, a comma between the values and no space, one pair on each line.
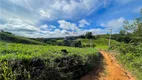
76,44
63,68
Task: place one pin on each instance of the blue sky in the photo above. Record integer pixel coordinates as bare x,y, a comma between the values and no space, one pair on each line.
60,18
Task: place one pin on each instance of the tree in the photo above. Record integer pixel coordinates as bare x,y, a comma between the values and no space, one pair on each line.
76,44
89,35
66,43
122,32
135,28
138,32
81,36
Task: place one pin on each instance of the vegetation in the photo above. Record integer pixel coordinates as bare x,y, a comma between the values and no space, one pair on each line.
100,43
131,57
9,37
131,50
89,35
40,62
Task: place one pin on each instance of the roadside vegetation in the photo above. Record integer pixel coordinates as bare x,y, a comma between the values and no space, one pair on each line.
131,46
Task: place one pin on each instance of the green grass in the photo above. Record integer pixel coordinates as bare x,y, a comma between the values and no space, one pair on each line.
132,63
14,51
101,43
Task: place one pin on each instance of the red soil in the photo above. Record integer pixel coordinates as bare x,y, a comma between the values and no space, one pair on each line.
113,70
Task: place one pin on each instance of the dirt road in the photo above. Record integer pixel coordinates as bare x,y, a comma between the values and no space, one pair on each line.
113,71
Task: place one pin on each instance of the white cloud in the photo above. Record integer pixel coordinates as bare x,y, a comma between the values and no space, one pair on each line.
56,33
83,22
50,9
114,24
25,15
71,8
18,25
72,26
67,25
94,31
17,11
20,28
64,33
46,15
45,27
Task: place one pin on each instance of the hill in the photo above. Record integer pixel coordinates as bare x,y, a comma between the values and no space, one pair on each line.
8,37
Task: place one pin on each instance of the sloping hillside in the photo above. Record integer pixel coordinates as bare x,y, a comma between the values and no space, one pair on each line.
17,39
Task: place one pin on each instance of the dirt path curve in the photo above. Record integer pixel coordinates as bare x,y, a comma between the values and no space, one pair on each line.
113,70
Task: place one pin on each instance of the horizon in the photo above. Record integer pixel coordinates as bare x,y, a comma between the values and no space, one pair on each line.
60,18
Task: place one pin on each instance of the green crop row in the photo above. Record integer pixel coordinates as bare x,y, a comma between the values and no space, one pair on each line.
45,62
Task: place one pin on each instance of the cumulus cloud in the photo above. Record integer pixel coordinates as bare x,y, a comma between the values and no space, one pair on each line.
72,26
95,31
29,13
114,23
34,11
30,18
83,22
67,25
45,14
17,9
70,9
46,27
18,25
56,33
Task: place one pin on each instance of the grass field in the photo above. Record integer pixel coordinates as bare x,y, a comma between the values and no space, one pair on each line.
100,43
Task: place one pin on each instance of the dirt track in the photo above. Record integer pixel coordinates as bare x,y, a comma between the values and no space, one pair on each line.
113,71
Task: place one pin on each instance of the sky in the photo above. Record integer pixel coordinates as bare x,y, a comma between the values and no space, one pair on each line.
60,18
